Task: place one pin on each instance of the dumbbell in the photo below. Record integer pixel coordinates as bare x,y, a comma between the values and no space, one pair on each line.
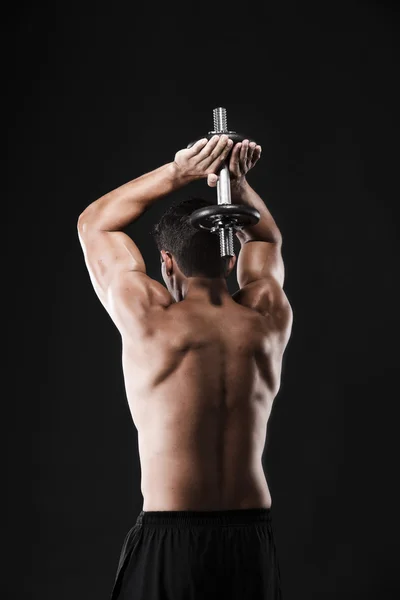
224,217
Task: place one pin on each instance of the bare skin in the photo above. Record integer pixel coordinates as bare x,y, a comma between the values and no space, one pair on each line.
209,372
201,367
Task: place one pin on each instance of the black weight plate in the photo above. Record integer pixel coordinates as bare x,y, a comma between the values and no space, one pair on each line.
205,218
236,137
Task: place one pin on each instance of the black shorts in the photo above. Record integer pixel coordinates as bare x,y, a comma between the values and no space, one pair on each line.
193,555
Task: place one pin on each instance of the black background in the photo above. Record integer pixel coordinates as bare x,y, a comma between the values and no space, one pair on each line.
97,96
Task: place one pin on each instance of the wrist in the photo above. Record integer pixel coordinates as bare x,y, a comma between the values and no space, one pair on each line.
238,186
178,175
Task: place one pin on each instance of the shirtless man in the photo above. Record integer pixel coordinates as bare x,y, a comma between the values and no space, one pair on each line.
201,370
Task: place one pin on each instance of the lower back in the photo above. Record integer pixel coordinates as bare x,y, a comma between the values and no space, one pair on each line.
201,407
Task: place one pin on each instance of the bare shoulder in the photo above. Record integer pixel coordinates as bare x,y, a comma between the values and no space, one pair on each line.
267,297
136,303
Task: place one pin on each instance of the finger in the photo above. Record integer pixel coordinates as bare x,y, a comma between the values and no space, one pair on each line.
250,152
219,153
256,154
212,179
224,151
234,160
208,148
218,163
212,152
243,154
196,148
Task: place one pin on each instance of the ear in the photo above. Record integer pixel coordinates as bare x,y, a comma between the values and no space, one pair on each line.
232,263
229,264
167,258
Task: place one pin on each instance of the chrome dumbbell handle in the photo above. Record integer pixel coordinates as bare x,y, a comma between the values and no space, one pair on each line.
224,181
223,185
224,217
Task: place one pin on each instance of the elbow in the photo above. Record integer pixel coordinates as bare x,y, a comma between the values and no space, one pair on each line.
85,220
82,222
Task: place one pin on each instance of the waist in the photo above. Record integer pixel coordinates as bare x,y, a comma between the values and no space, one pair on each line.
212,518
195,496
185,484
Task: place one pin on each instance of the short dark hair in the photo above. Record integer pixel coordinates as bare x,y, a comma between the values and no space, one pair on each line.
197,252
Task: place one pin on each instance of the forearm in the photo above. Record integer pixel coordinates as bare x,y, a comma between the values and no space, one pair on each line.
266,229
117,209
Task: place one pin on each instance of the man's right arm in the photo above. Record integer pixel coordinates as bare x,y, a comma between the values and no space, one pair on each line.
260,256
260,270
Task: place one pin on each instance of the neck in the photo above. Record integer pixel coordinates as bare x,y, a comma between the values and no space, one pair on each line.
204,287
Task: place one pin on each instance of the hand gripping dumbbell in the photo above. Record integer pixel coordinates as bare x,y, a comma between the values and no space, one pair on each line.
224,217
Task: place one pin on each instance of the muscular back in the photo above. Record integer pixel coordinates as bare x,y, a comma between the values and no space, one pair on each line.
200,385
200,375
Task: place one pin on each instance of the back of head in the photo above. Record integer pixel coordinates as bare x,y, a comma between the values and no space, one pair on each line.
197,252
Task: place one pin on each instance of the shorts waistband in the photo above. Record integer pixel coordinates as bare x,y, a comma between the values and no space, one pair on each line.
243,516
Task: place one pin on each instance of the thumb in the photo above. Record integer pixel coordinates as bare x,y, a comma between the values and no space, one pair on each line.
212,179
